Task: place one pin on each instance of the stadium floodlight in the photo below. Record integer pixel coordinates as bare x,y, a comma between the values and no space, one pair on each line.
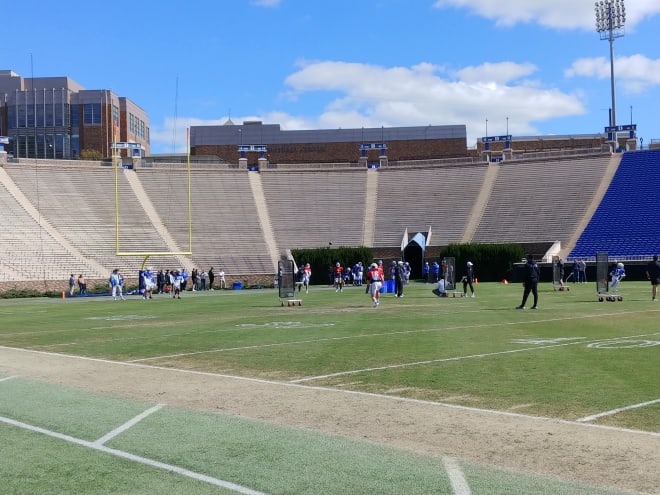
610,19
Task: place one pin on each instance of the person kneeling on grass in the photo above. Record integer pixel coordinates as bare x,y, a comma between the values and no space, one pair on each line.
440,290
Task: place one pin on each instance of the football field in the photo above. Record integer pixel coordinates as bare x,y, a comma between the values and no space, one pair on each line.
231,392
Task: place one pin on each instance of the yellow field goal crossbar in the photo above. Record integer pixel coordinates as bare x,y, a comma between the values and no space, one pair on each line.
148,254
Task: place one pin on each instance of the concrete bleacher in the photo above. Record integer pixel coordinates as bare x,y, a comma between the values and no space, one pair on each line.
80,203
29,251
234,228
416,198
226,231
315,208
540,200
626,222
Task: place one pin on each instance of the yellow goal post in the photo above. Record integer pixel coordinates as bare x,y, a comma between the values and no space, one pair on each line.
147,254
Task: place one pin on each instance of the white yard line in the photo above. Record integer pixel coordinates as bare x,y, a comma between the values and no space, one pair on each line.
459,484
370,335
118,431
587,419
357,393
6,378
456,358
135,458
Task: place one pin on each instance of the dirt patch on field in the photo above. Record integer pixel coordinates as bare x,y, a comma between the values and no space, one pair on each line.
622,459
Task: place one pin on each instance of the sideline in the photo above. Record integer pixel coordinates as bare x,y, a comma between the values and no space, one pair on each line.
587,419
132,457
331,390
460,358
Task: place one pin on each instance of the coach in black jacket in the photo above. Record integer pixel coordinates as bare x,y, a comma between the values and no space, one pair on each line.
532,275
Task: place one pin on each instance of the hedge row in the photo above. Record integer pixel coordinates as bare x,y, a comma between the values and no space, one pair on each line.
321,260
492,262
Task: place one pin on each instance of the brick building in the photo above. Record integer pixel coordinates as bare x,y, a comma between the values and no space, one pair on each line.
55,117
327,145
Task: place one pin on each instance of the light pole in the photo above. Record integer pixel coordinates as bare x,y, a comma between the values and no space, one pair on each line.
610,19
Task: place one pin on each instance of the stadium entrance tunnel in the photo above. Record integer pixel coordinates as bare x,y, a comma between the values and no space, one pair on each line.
414,253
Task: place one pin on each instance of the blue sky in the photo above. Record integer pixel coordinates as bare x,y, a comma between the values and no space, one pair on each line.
536,66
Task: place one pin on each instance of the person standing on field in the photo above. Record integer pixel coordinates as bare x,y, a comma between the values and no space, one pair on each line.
117,284
531,281
82,285
375,281
653,274
560,270
148,282
426,271
399,276
582,267
468,278
338,274
221,277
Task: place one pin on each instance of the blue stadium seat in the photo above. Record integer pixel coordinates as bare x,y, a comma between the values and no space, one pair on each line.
627,221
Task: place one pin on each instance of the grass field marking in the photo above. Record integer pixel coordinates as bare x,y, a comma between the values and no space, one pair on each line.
132,457
130,423
358,393
455,358
261,346
494,412
593,417
7,378
247,326
347,337
459,484
624,343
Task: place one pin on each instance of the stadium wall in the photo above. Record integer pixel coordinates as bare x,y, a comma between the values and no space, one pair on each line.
340,152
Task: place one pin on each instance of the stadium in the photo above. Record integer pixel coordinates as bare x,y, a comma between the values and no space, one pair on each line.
557,196
232,392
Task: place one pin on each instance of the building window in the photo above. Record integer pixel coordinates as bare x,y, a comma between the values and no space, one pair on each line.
75,119
92,113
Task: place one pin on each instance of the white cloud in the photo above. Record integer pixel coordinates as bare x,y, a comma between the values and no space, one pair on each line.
634,74
501,73
562,14
374,96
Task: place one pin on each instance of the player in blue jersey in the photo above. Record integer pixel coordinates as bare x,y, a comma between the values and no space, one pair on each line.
618,273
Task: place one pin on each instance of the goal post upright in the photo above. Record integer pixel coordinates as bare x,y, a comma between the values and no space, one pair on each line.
147,254
189,192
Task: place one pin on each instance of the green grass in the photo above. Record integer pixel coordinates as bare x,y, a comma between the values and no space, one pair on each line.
250,453
563,360
574,357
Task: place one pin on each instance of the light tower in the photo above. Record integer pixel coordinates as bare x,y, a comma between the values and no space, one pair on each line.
610,19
